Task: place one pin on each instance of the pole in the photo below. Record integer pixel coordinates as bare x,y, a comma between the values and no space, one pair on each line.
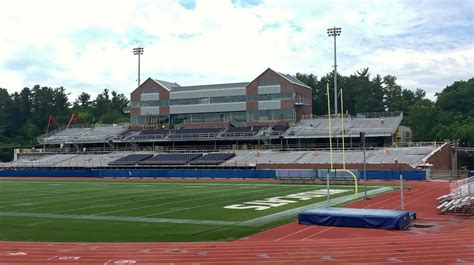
138,51
365,171
342,132
330,145
328,199
335,77
402,198
138,69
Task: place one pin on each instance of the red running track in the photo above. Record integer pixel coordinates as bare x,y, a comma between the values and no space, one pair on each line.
437,239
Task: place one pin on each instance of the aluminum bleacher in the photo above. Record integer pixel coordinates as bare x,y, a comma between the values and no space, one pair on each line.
460,200
97,134
130,160
170,159
212,159
92,160
43,161
319,127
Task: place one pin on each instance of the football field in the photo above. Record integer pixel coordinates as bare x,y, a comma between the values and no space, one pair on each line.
152,211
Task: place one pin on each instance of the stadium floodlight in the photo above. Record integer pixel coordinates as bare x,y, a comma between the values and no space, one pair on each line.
334,32
138,51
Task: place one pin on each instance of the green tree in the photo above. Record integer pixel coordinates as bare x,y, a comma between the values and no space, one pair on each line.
5,111
458,97
83,101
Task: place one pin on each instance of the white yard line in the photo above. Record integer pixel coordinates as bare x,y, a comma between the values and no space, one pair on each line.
129,202
203,205
177,202
129,192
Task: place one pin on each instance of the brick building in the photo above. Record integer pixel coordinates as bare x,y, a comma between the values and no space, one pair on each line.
271,98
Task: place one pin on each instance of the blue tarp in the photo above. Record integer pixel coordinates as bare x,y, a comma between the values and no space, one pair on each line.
352,217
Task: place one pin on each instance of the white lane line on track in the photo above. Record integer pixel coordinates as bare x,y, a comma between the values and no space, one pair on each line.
320,232
294,233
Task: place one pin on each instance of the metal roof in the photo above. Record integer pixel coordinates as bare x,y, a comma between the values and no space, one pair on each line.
293,79
209,87
168,85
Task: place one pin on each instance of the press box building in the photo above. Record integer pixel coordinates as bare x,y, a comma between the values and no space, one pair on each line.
271,98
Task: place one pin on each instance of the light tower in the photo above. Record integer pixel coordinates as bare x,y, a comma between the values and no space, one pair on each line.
334,32
138,51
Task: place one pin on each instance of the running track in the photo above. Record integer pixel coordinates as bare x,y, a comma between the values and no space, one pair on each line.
439,239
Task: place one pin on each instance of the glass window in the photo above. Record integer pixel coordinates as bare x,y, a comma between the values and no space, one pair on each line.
263,97
268,82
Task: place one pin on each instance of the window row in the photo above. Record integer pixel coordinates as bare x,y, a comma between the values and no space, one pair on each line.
211,100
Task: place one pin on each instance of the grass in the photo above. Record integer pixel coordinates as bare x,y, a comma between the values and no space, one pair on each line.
67,210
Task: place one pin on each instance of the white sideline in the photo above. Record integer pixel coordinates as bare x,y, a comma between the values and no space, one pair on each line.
117,218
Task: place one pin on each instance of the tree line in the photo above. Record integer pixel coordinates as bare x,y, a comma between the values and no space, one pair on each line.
24,114
449,117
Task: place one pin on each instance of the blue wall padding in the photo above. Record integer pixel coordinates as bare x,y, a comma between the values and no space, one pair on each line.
192,173
141,173
393,174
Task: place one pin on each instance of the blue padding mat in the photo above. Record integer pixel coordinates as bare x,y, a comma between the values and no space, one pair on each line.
352,217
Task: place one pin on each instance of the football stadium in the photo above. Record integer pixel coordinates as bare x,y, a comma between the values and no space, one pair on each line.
235,173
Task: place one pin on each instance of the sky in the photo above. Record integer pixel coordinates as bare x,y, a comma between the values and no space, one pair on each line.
86,45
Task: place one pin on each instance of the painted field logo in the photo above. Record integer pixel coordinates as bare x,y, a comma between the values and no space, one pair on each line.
260,205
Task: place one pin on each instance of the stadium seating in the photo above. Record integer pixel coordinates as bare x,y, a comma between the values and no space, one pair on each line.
170,159
162,132
279,128
319,127
460,200
130,159
96,134
92,160
196,133
212,159
238,132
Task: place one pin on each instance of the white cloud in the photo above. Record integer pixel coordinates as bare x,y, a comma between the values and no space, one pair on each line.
218,41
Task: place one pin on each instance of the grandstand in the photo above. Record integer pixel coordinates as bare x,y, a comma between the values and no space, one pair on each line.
308,132
84,135
406,157
318,127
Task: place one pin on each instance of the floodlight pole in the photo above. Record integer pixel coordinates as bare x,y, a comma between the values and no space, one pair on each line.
334,32
138,51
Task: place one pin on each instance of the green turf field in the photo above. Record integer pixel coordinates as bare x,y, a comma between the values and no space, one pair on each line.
140,211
